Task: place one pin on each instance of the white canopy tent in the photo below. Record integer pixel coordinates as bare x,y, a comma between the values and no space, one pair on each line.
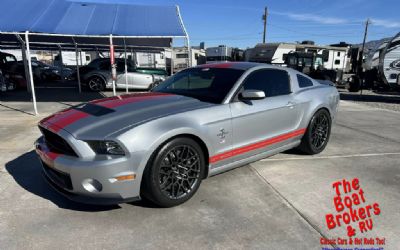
77,25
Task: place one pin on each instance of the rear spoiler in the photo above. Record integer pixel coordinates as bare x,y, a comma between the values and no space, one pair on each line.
325,82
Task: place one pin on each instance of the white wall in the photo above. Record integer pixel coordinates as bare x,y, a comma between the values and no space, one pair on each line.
17,53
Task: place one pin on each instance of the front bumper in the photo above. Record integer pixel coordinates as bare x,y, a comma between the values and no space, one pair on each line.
92,181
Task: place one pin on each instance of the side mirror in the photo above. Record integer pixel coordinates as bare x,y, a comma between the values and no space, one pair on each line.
252,94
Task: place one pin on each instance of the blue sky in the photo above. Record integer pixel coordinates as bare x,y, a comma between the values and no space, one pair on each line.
238,23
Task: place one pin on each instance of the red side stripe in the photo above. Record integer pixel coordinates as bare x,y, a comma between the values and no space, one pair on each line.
257,145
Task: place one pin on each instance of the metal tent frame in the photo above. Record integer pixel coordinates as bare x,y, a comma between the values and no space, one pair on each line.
23,41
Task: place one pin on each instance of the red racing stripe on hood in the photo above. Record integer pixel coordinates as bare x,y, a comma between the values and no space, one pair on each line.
66,117
62,119
121,100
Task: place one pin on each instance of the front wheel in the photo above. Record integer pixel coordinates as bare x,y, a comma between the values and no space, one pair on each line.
175,173
96,84
317,134
153,85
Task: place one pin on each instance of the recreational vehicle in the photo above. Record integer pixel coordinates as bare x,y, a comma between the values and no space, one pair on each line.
223,53
389,63
334,58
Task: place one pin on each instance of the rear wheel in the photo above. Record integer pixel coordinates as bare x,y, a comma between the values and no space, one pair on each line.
96,84
317,134
174,174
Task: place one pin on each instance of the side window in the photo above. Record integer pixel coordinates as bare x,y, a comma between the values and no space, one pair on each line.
304,81
193,80
131,67
273,82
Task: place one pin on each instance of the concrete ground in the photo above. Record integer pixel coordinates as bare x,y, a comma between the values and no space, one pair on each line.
275,203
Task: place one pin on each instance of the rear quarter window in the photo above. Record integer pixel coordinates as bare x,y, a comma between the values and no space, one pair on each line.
304,82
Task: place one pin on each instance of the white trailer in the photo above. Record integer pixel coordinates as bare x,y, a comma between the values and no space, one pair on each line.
389,62
180,58
334,58
69,58
221,53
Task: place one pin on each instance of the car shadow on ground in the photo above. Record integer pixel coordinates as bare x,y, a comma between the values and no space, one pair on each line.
52,95
26,171
370,97
294,151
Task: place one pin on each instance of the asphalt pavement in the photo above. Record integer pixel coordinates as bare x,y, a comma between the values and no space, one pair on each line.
276,203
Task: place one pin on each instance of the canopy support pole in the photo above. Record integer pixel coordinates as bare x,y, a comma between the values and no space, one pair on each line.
126,68
61,64
112,64
23,50
80,58
78,75
189,50
172,59
28,52
186,36
77,66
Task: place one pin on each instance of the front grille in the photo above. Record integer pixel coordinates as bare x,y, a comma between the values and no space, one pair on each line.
59,178
56,143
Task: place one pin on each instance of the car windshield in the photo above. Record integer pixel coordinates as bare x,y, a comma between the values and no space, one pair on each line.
206,84
42,64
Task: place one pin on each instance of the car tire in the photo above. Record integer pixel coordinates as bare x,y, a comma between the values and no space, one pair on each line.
153,85
317,134
355,84
96,84
174,172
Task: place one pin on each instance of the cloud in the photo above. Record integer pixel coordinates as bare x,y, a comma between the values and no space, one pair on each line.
315,18
336,20
385,23
312,18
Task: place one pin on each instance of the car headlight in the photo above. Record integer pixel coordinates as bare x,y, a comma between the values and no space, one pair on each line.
106,147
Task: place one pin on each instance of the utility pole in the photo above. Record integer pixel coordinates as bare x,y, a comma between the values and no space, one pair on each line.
368,22
264,18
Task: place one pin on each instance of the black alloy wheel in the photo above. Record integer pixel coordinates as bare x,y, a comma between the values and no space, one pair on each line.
96,84
179,171
317,134
319,130
175,172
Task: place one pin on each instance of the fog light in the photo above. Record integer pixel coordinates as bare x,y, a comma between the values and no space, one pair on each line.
92,185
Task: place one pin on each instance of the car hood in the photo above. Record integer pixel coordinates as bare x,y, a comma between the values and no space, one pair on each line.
98,119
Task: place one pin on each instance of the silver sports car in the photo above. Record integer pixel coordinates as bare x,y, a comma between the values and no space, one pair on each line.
199,122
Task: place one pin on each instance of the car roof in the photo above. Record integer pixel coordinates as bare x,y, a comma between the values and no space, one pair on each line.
241,65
